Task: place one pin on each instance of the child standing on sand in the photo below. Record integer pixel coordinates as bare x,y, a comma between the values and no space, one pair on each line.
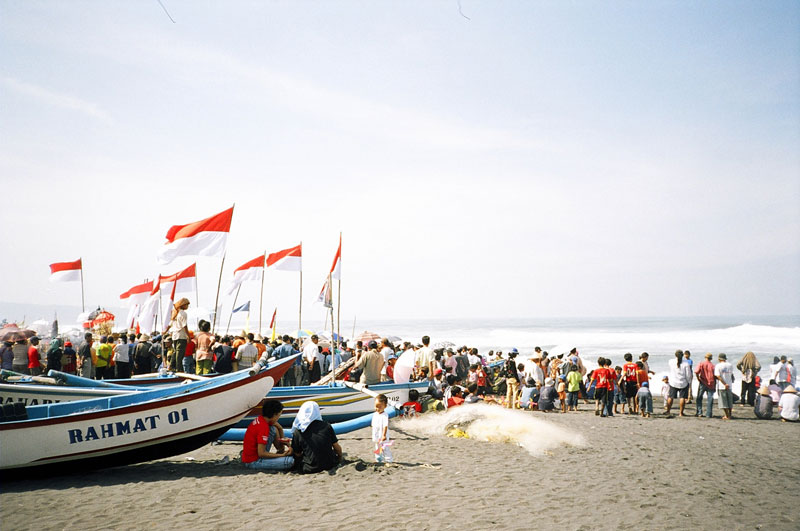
665,391
380,430
562,392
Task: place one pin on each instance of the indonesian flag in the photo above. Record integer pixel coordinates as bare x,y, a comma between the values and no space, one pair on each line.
252,270
207,237
336,268
326,295
136,296
138,290
66,271
149,312
288,259
181,282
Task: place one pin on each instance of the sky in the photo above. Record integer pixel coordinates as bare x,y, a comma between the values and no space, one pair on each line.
513,159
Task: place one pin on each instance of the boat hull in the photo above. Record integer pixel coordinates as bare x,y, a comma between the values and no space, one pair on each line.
131,428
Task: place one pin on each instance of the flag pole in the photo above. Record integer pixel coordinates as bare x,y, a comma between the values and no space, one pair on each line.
300,314
196,295
261,300
339,296
232,308
216,300
333,340
83,303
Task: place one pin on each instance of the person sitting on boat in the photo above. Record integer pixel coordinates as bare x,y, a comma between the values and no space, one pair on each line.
314,442
263,433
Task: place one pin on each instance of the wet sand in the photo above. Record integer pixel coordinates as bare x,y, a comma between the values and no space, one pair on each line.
631,473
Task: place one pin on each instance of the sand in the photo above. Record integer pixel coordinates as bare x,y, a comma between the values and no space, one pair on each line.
623,473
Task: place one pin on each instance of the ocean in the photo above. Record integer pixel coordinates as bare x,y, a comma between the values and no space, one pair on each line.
766,336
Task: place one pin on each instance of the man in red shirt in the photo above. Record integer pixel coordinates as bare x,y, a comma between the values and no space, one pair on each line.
34,358
706,383
263,433
631,384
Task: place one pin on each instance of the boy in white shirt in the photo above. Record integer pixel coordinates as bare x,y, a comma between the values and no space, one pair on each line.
723,372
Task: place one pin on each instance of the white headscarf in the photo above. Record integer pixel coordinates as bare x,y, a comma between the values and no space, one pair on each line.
309,412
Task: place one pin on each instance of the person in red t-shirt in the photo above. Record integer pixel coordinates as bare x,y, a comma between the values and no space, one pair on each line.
603,387
34,357
263,433
629,371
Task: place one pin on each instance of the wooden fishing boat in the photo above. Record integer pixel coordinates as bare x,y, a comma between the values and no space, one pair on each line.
337,402
128,428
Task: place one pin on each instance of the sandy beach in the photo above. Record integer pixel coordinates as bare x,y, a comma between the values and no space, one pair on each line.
627,473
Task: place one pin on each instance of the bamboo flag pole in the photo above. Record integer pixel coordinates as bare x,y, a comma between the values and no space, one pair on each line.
83,303
333,339
196,296
261,300
219,283
216,300
339,296
300,314
235,298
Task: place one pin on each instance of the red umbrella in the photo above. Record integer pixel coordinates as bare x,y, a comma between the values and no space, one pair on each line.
102,317
12,333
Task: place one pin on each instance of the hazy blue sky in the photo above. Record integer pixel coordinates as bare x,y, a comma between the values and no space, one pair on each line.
538,159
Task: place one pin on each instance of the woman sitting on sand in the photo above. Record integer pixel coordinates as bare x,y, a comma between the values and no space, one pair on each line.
763,404
314,443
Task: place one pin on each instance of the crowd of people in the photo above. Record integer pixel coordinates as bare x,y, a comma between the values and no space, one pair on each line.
535,382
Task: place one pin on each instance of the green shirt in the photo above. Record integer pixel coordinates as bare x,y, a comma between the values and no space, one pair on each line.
103,354
573,381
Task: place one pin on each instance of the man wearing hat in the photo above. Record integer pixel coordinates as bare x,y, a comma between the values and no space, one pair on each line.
789,405
723,372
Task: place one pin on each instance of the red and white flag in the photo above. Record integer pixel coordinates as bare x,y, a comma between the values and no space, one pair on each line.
138,290
136,296
336,268
252,270
207,237
66,271
147,315
272,322
181,282
287,260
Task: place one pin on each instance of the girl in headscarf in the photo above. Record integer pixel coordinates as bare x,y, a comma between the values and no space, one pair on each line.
314,443
54,354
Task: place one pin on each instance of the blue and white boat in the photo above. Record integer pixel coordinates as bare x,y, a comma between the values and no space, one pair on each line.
128,428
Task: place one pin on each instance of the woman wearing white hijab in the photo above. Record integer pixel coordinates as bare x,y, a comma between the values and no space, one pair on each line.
314,443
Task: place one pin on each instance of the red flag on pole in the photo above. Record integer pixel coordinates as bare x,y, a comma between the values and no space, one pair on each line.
207,237
66,271
288,259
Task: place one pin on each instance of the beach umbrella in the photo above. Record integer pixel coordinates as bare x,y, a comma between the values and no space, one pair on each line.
404,366
394,339
444,344
366,337
102,317
12,333
304,333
